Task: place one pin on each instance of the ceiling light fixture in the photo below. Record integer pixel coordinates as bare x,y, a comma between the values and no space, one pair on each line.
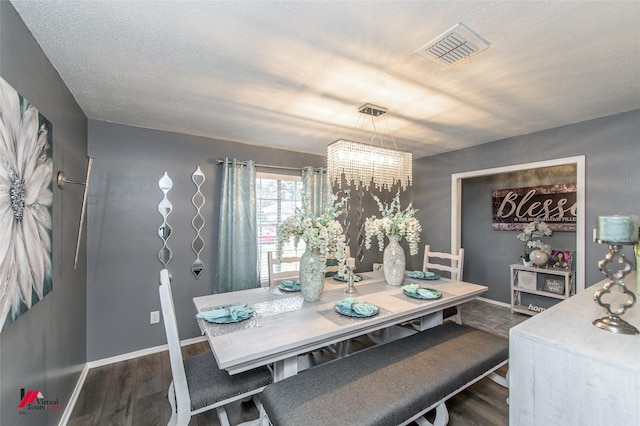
362,163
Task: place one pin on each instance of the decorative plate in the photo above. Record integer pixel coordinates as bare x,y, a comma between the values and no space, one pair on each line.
427,278
228,319
291,289
344,278
433,294
350,313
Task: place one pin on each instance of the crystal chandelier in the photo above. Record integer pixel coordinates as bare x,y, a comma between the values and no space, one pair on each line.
363,163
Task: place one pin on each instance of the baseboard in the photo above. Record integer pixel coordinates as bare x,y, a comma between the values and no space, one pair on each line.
142,352
495,302
74,396
111,360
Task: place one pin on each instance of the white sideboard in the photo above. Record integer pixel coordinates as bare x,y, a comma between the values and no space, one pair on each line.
565,371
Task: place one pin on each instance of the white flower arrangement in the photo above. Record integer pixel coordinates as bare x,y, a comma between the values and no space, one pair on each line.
394,221
321,233
535,229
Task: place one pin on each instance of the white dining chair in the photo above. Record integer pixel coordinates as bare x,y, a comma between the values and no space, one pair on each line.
451,263
198,384
278,270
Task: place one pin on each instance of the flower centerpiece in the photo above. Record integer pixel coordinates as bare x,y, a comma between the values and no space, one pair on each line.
323,235
535,229
395,224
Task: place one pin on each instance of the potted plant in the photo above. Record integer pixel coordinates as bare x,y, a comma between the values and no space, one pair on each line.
535,229
394,224
322,234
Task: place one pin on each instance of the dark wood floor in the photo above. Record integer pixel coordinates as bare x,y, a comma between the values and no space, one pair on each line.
134,392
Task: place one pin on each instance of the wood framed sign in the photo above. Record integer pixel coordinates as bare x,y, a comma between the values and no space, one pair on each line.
527,280
553,285
555,204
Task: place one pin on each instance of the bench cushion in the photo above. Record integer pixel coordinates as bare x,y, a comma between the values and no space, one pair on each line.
385,384
209,384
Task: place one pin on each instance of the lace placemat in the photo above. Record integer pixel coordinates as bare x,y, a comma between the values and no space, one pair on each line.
417,301
260,310
339,319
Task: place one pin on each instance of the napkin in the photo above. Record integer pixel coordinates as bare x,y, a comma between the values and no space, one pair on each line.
235,312
360,308
420,274
290,285
345,277
424,292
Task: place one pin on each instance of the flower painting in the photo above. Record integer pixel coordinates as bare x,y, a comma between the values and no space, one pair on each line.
26,198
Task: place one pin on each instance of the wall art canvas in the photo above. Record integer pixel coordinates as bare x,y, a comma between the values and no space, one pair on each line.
26,198
555,205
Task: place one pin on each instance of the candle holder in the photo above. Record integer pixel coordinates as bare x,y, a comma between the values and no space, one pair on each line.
615,266
351,288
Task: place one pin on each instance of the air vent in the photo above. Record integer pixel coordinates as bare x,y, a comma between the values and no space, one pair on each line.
453,45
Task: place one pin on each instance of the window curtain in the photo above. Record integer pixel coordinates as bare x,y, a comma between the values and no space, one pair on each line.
238,267
317,187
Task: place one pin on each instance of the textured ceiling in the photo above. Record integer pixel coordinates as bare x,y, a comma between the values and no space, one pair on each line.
292,74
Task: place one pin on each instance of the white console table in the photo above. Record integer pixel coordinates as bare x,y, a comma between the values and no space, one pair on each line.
565,371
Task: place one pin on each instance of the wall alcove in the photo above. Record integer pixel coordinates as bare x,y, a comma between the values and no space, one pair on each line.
457,180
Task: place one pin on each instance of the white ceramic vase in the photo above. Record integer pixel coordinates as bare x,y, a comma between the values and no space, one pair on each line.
394,261
539,257
312,267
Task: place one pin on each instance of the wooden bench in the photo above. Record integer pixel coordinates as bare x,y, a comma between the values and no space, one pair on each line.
391,384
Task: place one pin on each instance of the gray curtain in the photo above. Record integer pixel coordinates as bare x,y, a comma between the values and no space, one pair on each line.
238,266
317,187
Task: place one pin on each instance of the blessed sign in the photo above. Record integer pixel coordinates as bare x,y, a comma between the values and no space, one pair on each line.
554,204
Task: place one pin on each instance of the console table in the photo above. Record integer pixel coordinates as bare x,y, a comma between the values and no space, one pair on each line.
565,371
551,284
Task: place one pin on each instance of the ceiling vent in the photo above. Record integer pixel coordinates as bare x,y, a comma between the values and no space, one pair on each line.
453,45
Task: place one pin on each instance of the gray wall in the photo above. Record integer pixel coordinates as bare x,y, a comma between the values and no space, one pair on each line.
611,147
45,349
123,222
123,218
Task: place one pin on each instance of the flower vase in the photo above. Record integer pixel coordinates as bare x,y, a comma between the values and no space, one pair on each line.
394,261
526,262
312,267
539,258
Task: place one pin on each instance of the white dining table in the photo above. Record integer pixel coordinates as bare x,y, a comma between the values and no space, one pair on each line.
284,326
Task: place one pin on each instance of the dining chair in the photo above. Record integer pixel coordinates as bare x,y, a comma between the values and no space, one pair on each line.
276,272
451,263
454,262
198,384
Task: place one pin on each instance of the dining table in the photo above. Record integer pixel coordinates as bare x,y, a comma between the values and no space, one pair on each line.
283,325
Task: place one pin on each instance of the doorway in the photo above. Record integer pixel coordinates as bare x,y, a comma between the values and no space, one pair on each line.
578,162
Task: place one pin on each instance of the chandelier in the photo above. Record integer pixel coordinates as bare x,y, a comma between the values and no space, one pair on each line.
362,163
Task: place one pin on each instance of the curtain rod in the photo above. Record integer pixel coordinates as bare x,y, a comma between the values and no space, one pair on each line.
244,163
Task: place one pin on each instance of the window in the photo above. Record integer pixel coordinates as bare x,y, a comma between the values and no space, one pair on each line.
277,197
